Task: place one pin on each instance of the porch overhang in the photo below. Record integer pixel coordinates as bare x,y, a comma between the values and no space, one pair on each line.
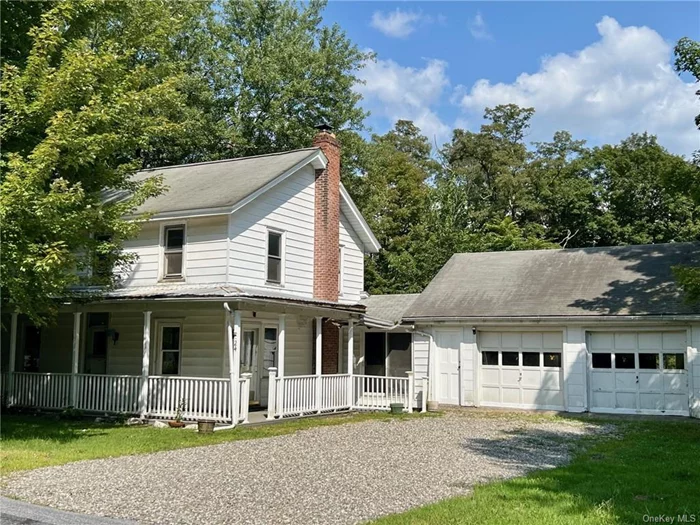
244,297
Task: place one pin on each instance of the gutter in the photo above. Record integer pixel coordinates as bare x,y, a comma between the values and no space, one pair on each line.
584,319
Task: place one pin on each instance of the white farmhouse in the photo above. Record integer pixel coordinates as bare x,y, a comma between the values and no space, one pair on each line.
247,295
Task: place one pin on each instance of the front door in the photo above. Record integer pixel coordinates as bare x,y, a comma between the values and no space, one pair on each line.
249,362
448,343
97,343
266,359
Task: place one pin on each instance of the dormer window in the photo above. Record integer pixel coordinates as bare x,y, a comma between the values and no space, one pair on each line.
173,244
274,257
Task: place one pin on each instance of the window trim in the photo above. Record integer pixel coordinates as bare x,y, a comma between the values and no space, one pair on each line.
167,323
162,277
282,257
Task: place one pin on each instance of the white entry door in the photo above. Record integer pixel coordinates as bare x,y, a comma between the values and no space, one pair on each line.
638,373
448,343
521,369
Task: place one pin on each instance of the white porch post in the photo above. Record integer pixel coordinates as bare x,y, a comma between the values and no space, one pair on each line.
11,364
281,340
319,353
271,393
409,406
245,396
351,360
75,359
235,366
145,363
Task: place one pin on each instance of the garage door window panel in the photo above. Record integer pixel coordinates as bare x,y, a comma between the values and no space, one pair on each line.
552,359
510,358
489,358
649,361
674,362
624,361
602,360
531,359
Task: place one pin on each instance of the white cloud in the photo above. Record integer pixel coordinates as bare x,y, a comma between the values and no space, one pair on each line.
398,24
622,83
478,29
393,92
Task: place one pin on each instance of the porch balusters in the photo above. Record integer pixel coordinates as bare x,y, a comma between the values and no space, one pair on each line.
271,393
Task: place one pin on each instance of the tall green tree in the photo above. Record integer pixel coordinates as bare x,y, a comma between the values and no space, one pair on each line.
278,72
103,90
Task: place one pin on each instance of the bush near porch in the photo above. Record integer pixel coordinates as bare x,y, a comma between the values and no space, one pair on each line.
652,469
35,441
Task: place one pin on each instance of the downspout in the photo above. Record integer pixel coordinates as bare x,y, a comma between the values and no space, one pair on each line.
229,340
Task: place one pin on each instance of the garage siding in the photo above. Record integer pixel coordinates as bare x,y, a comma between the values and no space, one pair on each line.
575,364
694,349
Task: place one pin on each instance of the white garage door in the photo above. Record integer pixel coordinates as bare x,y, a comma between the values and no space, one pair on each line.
521,369
638,373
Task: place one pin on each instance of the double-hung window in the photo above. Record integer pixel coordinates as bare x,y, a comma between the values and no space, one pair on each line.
274,257
170,347
173,250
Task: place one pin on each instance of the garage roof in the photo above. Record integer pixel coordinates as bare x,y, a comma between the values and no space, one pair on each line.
387,309
616,281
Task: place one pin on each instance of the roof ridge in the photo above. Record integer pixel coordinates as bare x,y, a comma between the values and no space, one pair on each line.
221,161
587,248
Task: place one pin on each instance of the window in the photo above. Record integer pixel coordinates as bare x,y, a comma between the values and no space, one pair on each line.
602,361
173,243
649,361
624,361
552,359
274,257
674,362
340,270
270,350
102,268
489,358
531,359
170,346
510,358
375,353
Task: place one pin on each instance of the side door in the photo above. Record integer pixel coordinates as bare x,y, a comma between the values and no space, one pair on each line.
447,344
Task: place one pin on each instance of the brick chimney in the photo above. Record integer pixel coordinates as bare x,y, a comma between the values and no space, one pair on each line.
327,217
327,240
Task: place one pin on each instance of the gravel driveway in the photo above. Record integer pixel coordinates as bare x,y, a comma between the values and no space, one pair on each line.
334,474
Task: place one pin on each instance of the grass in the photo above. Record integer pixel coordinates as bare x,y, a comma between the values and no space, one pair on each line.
651,469
30,442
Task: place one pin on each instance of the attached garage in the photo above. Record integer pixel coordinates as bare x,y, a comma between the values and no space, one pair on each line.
521,369
643,372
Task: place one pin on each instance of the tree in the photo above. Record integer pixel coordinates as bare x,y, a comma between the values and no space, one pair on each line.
103,90
278,72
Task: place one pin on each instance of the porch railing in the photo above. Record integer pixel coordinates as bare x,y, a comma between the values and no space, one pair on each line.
334,392
107,393
378,392
298,395
201,397
33,389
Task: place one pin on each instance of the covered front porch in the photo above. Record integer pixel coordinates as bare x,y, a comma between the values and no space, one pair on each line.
158,359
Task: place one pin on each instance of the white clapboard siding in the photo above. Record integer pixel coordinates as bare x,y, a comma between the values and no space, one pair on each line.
289,207
146,247
353,262
421,356
206,250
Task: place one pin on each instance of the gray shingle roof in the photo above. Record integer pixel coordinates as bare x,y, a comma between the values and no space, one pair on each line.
617,281
388,308
216,184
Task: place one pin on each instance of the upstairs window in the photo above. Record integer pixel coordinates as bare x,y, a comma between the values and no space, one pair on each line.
102,267
274,257
173,243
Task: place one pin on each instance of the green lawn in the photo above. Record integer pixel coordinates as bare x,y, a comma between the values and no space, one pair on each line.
30,442
652,469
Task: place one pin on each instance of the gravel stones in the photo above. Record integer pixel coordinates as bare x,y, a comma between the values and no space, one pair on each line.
335,474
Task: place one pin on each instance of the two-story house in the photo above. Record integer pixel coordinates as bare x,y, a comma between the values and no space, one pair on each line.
249,274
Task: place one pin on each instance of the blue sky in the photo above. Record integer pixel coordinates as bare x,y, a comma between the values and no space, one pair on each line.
602,70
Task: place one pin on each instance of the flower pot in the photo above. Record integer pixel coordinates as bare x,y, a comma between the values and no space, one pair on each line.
205,426
176,424
432,406
396,408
